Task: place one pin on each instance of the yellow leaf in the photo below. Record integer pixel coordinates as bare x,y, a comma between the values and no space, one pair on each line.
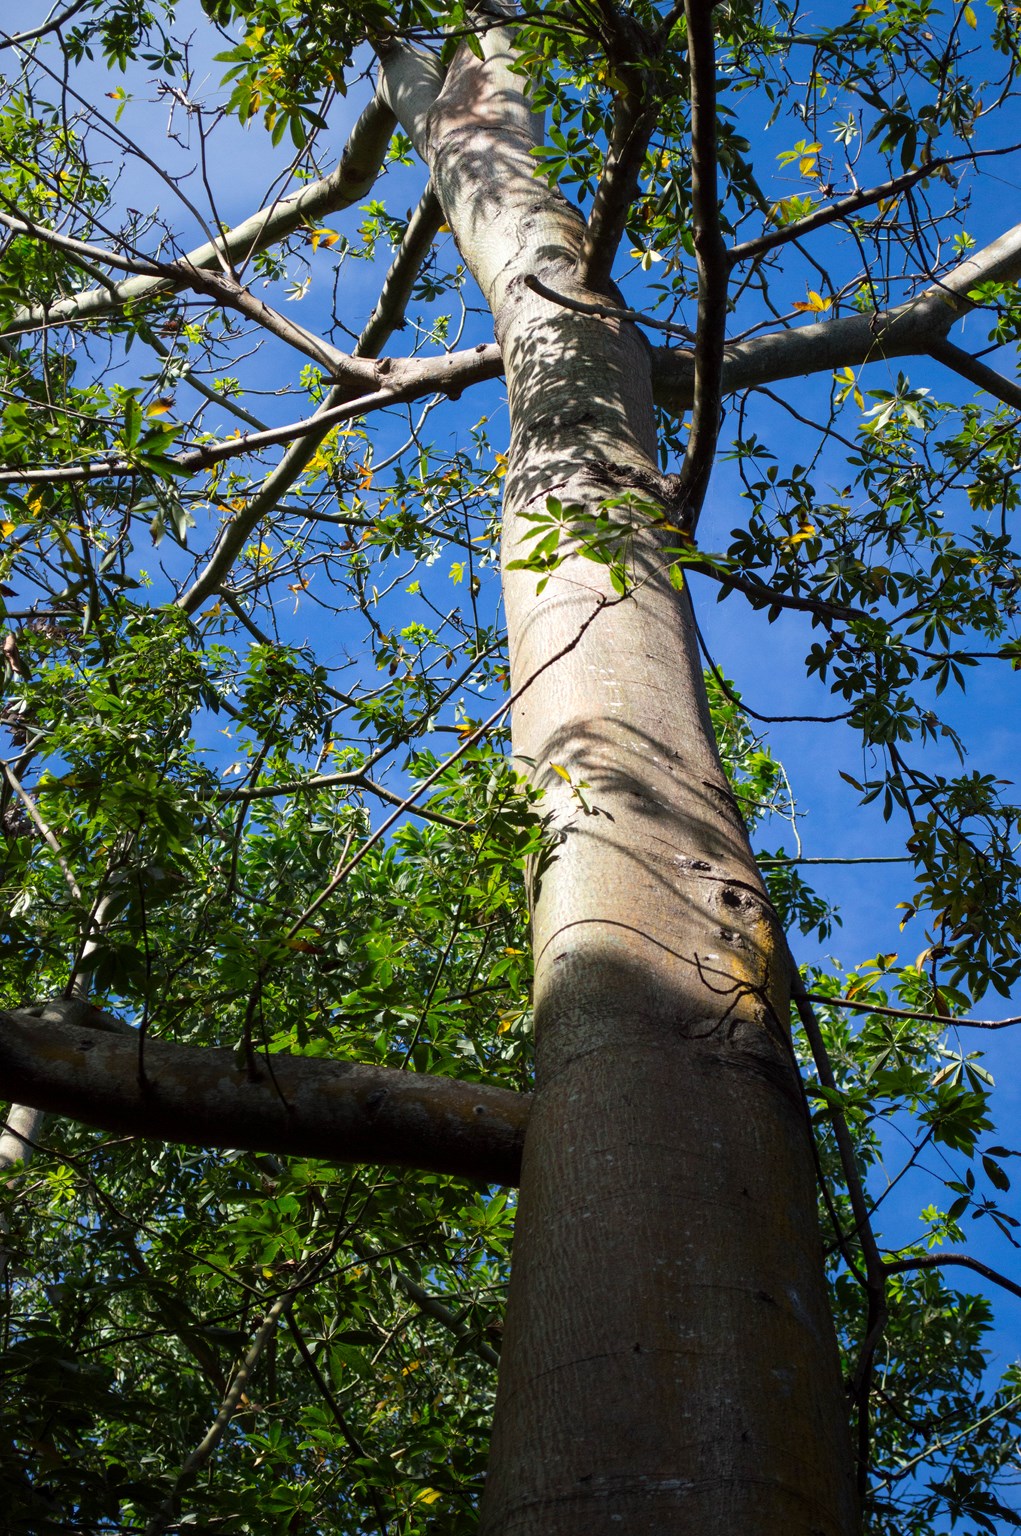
500,460
159,408
806,531
6,529
970,17
35,503
444,229
326,237
457,572
559,768
429,1496
806,165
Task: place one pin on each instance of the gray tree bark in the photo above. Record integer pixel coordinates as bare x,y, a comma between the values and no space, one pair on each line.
669,1361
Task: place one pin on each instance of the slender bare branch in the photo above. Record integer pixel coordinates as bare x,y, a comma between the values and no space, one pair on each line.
875,1272
45,832
196,1460
963,1260
766,596
844,207
711,262
605,311
860,1005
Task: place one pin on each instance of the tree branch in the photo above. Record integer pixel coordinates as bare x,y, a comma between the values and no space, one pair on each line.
711,262
633,125
765,596
844,207
386,317
299,1106
964,1260
19,39
196,1460
875,1274
860,1006
604,311
354,176
908,329
977,372
412,378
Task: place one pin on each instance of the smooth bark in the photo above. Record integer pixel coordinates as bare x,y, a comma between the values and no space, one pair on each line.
669,1361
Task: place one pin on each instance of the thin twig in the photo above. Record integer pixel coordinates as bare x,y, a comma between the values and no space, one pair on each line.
908,1013
197,1459
605,311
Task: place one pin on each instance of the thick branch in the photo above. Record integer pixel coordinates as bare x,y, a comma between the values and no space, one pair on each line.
359,166
299,1106
977,372
909,329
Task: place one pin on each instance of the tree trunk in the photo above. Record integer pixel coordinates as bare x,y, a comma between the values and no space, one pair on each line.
669,1361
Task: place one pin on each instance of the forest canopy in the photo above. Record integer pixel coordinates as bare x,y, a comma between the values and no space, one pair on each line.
464,470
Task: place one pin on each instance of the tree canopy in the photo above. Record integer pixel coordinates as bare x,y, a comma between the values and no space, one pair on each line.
272,865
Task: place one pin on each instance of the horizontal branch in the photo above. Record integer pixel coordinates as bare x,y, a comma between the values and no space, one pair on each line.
783,861
910,329
298,1106
354,176
397,384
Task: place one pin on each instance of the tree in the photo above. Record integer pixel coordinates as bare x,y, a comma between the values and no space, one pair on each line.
311,937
